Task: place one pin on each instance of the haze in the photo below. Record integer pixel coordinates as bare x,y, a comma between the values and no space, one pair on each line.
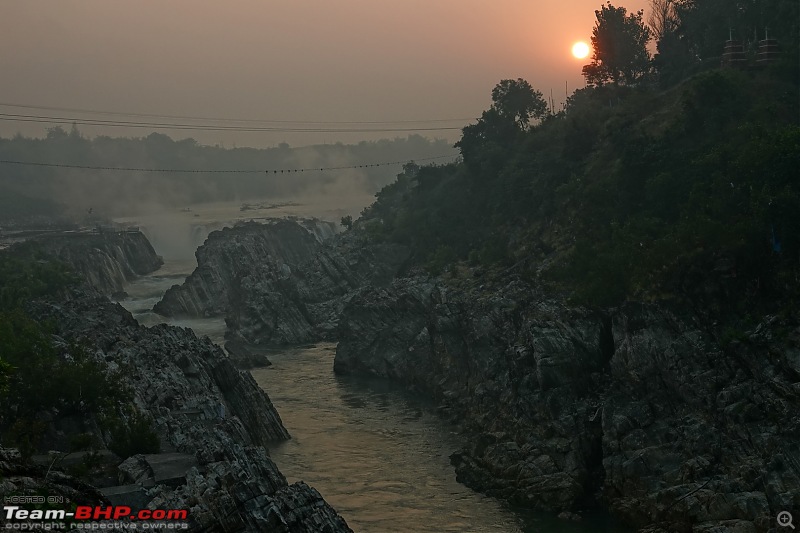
350,60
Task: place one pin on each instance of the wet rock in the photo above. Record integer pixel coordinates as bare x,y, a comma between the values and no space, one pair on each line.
246,355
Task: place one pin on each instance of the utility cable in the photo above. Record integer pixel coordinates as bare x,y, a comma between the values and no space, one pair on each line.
220,119
214,171
201,127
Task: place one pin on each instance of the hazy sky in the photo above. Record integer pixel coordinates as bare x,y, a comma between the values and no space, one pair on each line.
291,60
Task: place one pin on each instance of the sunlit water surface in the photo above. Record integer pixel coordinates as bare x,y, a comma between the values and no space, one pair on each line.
378,454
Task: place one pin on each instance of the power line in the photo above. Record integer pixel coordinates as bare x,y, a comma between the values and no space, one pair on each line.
200,127
215,171
235,120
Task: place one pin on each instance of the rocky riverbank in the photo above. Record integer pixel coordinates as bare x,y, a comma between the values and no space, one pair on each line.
643,410
640,410
211,420
192,430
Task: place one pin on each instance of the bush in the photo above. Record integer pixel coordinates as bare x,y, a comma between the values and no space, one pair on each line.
133,436
28,274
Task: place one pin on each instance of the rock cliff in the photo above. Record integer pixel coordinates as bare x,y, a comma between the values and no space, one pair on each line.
228,255
212,421
640,409
105,260
279,283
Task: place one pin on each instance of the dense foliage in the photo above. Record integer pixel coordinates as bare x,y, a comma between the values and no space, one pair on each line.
619,44
42,379
630,193
689,33
28,273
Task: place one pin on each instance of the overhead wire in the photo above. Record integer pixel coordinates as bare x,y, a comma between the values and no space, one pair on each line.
51,119
203,127
220,171
228,119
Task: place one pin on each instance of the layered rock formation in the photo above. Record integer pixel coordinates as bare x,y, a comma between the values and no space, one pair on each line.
105,260
212,421
638,409
279,283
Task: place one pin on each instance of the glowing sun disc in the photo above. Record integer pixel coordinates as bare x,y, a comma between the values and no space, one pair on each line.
580,49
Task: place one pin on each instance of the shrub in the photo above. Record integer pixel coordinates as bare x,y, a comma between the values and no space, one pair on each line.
134,435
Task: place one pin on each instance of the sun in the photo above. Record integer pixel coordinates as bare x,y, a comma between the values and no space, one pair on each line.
580,49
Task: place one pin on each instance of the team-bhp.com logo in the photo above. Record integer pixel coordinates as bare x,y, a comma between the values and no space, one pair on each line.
91,517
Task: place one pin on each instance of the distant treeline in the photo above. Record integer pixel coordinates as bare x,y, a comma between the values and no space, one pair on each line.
28,189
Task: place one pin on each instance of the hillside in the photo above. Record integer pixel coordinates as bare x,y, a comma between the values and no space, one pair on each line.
629,193
605,303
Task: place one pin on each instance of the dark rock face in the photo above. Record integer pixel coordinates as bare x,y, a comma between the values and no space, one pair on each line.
278,283
231,254
637,410
105,260
246,356
212,421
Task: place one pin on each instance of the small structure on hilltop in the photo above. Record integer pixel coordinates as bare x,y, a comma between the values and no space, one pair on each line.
768,50
734,54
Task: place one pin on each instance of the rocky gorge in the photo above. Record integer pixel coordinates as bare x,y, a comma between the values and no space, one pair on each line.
642,410
210,421
639,409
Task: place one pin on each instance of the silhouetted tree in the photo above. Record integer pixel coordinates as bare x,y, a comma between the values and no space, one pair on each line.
620,53
517,100
663,19
514,104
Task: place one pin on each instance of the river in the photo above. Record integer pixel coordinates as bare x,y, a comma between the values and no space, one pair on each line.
378,454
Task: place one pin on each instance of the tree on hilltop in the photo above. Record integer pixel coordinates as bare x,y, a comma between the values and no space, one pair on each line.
514,104
619,40
518,101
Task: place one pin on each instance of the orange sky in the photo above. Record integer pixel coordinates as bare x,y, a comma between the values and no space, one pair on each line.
313,60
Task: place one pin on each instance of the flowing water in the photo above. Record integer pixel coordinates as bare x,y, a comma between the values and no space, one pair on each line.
378,454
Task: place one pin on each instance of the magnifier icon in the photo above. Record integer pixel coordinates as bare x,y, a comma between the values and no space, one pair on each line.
785,519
